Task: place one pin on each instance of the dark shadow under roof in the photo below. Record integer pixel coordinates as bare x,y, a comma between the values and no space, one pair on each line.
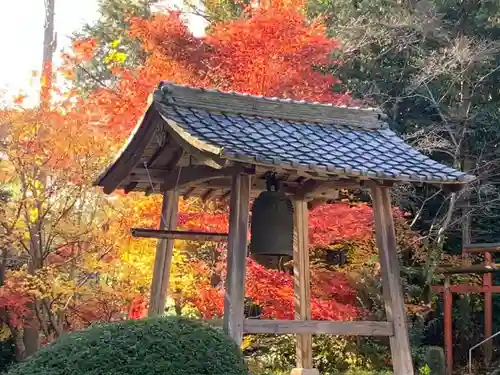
269,132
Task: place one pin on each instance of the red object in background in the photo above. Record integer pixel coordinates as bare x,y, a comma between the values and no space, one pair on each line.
138,308
487,289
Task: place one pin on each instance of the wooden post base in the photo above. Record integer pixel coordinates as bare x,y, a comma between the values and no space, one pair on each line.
304,371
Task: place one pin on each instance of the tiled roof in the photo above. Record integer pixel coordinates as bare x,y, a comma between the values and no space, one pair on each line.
350,142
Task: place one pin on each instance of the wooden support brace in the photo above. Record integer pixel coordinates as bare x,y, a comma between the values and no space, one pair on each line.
391,281
163,257
301,281
234,301
179,235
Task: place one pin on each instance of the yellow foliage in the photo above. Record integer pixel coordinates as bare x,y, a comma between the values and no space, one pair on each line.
4,332
33,215
247,342
89,259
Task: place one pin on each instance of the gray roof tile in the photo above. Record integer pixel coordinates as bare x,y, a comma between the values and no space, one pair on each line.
344,145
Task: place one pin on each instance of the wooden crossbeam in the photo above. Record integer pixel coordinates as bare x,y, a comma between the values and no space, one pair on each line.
473,268
179,235
325,190
362,328
463,288
479,248
307,187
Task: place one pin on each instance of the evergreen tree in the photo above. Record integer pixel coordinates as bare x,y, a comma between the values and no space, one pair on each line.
433,66
114,42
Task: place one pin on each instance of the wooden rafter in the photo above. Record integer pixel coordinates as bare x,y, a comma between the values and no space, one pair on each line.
189,192
208,195
118,172
180,176
131,186
307,187
175,154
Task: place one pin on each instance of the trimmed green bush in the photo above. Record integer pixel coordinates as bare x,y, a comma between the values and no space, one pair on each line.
157,346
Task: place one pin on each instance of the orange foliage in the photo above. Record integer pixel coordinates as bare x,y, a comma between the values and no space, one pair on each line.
84,49
211,222
331,296
14,302
138,308
270,53
273,54
331,224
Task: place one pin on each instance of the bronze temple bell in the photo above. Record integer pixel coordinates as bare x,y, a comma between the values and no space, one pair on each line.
272,221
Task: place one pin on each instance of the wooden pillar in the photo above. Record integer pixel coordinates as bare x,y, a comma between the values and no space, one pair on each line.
391,280
163,256
448,324
488,309
301,281
234,301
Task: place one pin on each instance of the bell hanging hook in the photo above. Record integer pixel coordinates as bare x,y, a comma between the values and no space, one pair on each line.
272,181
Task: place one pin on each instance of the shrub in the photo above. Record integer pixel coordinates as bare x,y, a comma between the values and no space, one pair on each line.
7,353
434,358
171,345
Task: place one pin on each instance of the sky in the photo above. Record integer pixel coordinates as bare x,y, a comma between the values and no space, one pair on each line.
21,38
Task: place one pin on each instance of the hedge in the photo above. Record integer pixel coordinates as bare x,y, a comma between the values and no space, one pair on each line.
155,346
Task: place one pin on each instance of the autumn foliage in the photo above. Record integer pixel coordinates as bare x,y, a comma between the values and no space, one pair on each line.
331,300
341,222
332,297
272,52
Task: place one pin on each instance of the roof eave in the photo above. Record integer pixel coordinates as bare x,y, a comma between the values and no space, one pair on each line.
109,179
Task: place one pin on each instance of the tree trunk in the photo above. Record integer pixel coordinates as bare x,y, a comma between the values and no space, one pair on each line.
31,331
49,45
31,339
